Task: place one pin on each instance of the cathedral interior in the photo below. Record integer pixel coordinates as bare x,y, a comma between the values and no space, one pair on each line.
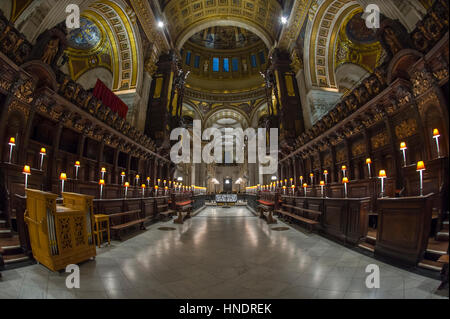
92,91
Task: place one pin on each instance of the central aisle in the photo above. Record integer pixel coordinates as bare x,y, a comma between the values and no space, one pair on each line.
221,253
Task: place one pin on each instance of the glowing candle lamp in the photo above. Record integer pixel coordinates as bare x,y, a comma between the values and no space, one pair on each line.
43,152
305,186
12,143
77,167
137,179
345,181
436,138
62,178
368,162
322,184
403,148
101,183
143,186
420,168
126,185
26,171
325,173
311,176
382,176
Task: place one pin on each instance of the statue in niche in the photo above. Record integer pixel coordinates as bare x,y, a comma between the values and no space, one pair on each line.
50,45
205,66
50,51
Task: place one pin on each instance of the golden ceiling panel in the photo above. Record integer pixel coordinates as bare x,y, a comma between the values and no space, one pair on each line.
324,22
188,17
123,42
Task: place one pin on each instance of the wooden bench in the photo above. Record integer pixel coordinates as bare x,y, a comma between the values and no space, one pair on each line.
121,221
309,217
184,210
265,209
162,209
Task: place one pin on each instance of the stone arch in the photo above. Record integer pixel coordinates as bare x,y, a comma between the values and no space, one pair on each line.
89,78
349,75
321,36
42,74
400,65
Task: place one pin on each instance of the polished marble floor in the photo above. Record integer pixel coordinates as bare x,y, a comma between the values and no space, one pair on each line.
222,253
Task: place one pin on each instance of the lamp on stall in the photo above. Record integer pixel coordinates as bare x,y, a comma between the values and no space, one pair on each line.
304,187
368,162
420,169
122,177
344,169
12,143
103,171
293,190
143,186
284,190
311,176
62,178
301,180
126,185
26,171
403,148
148,181
77,167
101,183
165,190
137,179
156,190
325,173
436,138
164,182
43,152
322,184
345,181
159,182
382,176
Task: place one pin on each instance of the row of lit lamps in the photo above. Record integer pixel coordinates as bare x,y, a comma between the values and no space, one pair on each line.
382,174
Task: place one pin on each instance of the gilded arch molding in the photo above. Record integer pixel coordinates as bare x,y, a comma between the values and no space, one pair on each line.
125,43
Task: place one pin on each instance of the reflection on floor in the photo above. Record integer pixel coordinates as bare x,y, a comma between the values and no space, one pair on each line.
222,253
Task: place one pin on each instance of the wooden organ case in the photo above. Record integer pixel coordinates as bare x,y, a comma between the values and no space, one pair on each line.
60,234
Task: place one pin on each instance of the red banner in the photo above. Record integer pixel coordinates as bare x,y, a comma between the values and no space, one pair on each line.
109,99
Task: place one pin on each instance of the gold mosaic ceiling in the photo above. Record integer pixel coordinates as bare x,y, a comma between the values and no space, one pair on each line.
187,17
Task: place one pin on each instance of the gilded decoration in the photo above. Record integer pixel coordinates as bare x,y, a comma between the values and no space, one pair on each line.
79,230
422,81
379,140
406,128
358,149
18,106
64,233
341,156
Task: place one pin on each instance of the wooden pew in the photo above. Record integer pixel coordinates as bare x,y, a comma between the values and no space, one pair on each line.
346,219
162,208
266,207
121,221
306,216
404,228
183,207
